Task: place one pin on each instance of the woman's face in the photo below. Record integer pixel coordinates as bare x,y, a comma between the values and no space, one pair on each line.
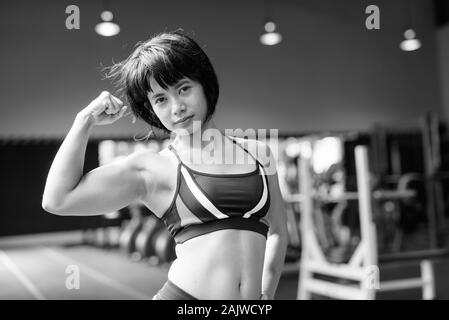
179,106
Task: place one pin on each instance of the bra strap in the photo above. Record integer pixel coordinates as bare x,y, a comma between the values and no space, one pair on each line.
236,143
172,149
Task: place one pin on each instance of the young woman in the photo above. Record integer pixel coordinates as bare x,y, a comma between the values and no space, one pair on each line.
227,217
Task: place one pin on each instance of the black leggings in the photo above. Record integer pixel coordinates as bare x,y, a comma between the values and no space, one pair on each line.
170,291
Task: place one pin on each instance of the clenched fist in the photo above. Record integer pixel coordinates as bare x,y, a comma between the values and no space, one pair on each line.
105,109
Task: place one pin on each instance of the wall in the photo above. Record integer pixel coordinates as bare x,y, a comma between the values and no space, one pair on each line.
330,73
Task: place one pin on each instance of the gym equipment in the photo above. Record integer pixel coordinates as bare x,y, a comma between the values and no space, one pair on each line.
363,264
164,246
88,237
418,149
145,238
399,214
292,226
433,179
292,256
130,231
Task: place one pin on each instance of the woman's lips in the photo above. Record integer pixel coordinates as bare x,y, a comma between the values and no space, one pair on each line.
183,119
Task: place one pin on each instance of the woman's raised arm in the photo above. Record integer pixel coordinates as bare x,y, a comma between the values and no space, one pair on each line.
102,190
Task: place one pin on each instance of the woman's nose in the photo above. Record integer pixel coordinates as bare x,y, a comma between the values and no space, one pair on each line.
178,108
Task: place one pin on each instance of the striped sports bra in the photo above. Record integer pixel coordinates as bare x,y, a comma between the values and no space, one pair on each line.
206,202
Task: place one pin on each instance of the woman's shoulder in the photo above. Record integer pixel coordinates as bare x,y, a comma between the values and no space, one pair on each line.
246,142
150,160
259,149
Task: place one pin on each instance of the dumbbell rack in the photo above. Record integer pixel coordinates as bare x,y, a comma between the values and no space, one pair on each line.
363,265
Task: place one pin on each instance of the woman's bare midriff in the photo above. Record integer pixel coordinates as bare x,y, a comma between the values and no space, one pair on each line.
225,264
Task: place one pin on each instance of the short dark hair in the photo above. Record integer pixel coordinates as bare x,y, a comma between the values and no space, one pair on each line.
167,57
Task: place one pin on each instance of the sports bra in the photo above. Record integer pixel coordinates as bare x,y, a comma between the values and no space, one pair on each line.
206,202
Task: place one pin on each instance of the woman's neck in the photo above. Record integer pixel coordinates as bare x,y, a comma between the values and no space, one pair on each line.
195,142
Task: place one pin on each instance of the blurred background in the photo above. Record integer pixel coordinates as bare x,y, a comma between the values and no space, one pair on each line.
329,84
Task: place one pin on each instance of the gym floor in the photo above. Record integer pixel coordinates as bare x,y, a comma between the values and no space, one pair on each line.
40,271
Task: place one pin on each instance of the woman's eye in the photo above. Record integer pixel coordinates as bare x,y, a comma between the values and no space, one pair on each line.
159,100
185,89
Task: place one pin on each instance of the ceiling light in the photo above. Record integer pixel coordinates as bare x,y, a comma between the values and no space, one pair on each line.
410,42
270,37
107,27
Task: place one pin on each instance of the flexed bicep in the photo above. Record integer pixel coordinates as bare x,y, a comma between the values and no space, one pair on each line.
105,189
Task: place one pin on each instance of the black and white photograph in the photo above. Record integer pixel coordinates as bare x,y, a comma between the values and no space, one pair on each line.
254,150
